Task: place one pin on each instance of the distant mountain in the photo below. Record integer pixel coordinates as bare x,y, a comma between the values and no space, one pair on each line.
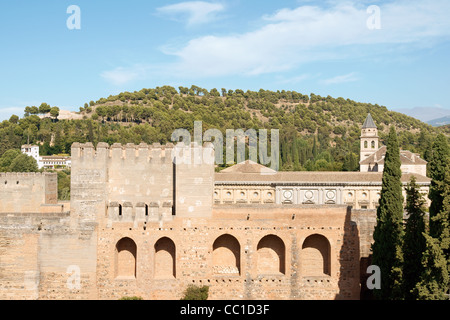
425,114
440,122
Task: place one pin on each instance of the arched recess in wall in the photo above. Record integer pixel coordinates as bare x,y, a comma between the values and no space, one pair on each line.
271,253
165,259
315,256
226,255
372,144
365,144
125,261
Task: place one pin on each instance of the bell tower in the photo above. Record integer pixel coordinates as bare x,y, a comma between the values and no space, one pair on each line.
369,138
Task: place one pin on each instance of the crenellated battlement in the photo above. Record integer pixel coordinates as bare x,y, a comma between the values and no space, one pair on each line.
25,174
142,153
21,179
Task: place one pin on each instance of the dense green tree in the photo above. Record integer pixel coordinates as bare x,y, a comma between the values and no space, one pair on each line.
44,108
64,185
34,110
435,279
350,162
388,233
14,119
23,163
27,111
414,242
54,112
439,157
7,158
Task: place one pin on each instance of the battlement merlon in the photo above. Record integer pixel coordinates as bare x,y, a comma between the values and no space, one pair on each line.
26,174
155,153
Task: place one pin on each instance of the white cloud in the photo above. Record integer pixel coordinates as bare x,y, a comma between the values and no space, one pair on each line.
195,12
351,77
123,75
293,79
289,38
295,36
7,112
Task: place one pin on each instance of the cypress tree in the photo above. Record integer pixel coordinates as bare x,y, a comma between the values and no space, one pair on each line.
442,219
434,280
388,233
314,148
434,283
414,242
438,161
444,226
296,156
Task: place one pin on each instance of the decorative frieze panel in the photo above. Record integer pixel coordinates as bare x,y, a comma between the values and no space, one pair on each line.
309,196
330,197
287,196
244,194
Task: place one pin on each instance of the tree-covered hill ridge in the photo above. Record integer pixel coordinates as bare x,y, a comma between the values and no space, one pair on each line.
316,133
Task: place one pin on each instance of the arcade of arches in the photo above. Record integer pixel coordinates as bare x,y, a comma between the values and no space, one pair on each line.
226,257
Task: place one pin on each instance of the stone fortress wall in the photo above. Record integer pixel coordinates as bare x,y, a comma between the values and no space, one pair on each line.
140,223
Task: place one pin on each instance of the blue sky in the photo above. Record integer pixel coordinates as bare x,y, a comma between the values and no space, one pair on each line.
336,48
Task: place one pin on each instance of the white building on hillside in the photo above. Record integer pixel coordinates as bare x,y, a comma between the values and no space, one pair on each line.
48,162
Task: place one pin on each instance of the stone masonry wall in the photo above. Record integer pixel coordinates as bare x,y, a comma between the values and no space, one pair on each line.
267,263
37,254
140,225
27,192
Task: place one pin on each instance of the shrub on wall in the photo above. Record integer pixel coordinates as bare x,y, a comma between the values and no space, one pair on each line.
194,292
131,298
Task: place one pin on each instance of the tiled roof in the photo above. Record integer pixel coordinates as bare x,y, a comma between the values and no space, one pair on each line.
322,177
248,167
406,157
369,123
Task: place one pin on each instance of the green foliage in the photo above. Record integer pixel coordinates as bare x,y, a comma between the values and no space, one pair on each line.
414,242
308,124
64,185
194,292
23,163
15,161
14,119
131,298
435,278
54,112
439,157
44,108
388,233
7,158
443,218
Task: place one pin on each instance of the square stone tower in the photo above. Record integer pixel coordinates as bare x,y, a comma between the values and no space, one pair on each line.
144,182
369,138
